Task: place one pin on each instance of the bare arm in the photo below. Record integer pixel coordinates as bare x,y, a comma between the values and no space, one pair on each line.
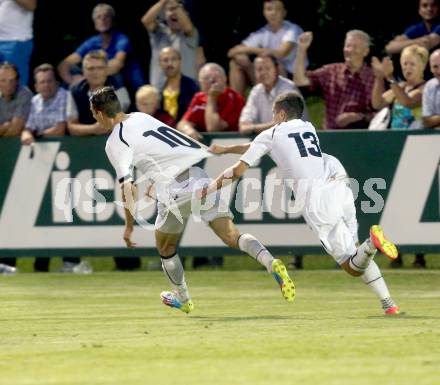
66,64
255,128
117,63
78,129
29,5
200,58
129,195
411,100
149,20
58,130
185,21
377,100
226,178
188,128
231,149
212,118
299,72
396,45
432,121
282,51
13,127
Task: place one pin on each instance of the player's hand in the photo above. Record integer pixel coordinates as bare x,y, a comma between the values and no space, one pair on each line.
127,237
202,193
217,149
305,39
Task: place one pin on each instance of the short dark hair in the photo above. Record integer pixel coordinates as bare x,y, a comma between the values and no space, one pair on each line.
10,66
290,102
97,54
105,100
45,67
272,58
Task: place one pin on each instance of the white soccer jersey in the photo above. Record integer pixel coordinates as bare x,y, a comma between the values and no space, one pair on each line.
294,147
157,150
333,168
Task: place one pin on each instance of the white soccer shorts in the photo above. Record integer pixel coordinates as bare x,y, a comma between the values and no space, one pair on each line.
331,213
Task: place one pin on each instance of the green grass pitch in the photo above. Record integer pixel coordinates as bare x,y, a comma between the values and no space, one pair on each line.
110,328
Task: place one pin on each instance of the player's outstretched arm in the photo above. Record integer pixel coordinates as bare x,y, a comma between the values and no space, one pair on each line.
129,194
232,149
228,176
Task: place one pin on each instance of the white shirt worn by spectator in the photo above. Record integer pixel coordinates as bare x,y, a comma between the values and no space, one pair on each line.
47,113
266,38
431,98
15,22
258,108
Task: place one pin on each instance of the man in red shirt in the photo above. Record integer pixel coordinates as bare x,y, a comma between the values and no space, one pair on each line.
215,108
346,87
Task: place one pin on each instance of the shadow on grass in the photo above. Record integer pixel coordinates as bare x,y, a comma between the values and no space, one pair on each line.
403,316
243,318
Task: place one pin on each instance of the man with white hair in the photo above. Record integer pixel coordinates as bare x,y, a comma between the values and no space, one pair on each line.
121,62
346,87
215,108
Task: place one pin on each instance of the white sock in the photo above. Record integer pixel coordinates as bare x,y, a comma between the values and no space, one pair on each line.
252,246
173,269
374,280
364,254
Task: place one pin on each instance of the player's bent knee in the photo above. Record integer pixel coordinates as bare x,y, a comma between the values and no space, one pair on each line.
230,238
349,270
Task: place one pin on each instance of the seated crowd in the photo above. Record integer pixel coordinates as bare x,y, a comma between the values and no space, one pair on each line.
193,96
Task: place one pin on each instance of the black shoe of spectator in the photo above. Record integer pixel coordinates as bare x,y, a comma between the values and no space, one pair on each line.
199,262
419,261
127,263
397,263
41,264
297,263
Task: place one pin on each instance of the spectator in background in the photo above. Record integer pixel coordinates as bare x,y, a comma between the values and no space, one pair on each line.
121,63
178,89
426,33
178,31
215,108
277,38
256,115
148,102
405,97
431,94
346,87
15,103
16,34
47,118
80,120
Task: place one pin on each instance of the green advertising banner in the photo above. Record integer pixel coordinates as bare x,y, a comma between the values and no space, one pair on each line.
60,197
